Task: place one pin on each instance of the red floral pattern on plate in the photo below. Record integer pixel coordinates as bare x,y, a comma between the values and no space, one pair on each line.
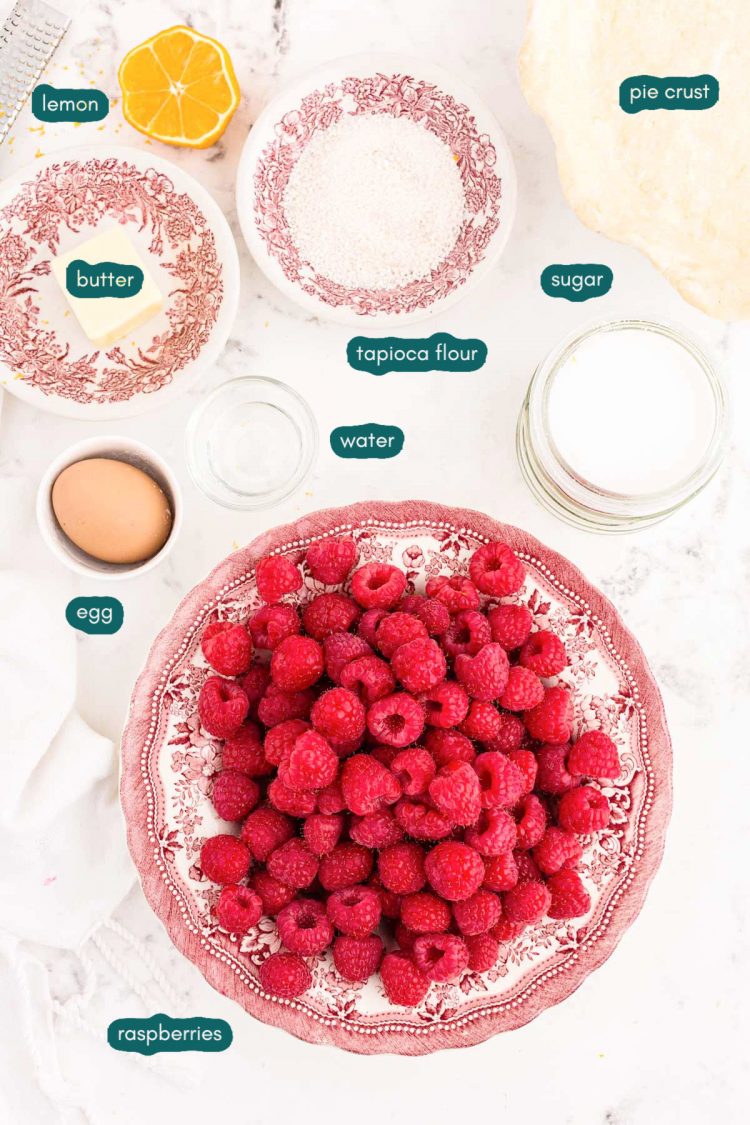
75,196
167,761
401,96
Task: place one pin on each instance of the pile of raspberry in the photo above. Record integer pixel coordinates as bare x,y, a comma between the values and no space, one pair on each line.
401,768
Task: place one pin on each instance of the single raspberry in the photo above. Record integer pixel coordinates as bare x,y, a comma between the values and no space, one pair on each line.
331,800
528,872
414,769
467,633
552,774
265,830
510,734
526,762
510,625
278,706
238,909
441,957
354,911
294,864
367,785
285,975
477,914
255,684
378,585
225,859
531,821
404,938
552,719
419,665
449,746
543,653
390,903
425,913
222,707
276,577
272,624
368,624
312,763
457,794
297,663
501,782
505,930
347,864
243,752
526,902
445,705
500,872
494,833
456,593
455,870
280,739
485,675
376,830
227,648
401,868
328,614
273,894
369,677
404,983
523,690
583,810
482,722
234,794
570,899
330,560
304,927
557,849
338,714
395,629
295,802
421,821
396,720
484,950
496,570
322,832
341,649
356,959
433,615
594,755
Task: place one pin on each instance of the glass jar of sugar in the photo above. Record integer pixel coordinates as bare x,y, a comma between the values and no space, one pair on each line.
622,425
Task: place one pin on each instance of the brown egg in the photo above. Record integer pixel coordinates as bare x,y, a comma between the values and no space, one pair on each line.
111,510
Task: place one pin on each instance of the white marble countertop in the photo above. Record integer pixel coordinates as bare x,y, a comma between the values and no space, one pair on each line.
653,1037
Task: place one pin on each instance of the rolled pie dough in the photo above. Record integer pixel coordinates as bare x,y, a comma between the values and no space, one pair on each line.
675,184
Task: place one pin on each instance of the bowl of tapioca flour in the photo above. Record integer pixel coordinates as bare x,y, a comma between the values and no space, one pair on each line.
377,190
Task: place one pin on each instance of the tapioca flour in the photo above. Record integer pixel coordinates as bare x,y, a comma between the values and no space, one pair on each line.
375,201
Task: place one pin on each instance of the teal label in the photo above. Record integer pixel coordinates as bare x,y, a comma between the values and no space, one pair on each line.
577,282
646,91
370,440
441,352
50,104
105,279
95,615
162,1033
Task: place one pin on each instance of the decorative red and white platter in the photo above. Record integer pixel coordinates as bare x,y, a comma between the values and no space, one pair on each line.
168,762
179,232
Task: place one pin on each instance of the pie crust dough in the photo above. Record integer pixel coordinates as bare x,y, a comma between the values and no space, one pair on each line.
674,184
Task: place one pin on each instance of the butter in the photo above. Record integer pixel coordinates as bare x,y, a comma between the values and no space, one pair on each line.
105,320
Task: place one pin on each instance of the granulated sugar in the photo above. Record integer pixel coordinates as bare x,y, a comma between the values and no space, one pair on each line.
375,201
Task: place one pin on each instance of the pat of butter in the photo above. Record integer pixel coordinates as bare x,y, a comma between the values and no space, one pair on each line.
105,320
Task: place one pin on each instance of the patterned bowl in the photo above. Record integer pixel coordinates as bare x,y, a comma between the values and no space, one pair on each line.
168,762
181,235
401,87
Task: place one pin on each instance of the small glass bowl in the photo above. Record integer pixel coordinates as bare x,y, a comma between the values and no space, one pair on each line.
251,443
581,502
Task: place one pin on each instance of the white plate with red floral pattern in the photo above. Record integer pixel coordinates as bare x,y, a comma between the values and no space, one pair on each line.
401,87
179,232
